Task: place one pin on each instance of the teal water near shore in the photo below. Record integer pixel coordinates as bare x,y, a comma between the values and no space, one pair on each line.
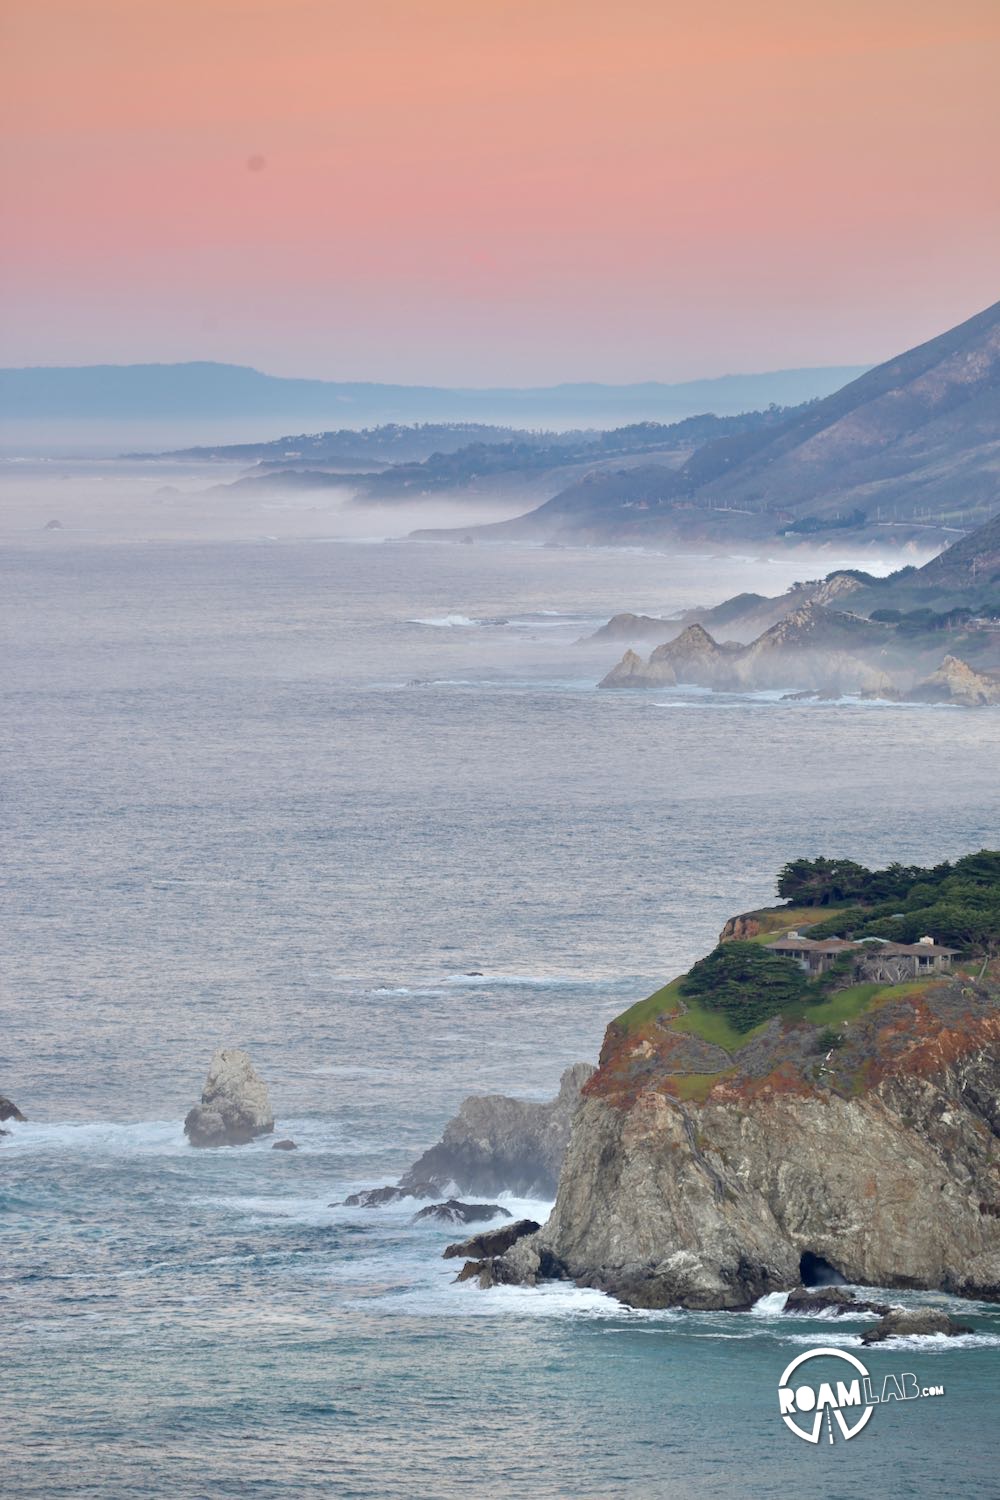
290,796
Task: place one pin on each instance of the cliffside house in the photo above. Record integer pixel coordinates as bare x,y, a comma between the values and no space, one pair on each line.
813,956
925,956
912,959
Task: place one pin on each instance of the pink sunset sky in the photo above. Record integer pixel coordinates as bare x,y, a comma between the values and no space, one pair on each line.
496,191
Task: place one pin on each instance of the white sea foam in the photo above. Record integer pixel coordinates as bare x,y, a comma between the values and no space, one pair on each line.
403,989
444,622
932,1343
98,1137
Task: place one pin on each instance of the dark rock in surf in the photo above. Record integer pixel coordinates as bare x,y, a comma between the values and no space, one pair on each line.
284,1146
380,1196
903,1323
9,1110
803,1300
472,1268
454,1212
492,1241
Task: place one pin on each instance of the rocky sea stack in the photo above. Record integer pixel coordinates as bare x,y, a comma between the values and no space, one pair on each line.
235,1107
496,1144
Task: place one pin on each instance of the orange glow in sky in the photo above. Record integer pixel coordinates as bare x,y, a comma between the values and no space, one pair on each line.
496,191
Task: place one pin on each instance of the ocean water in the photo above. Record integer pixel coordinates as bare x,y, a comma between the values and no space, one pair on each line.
360,809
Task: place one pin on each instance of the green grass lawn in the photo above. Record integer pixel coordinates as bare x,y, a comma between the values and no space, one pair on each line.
687,1015
854,1001
663,1000
775,921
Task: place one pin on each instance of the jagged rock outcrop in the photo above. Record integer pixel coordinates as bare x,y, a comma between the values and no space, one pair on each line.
496,1144
835,652
632,671
492,1241
454,1212
9,1110
706,1189
234,1108
908,1323
956,682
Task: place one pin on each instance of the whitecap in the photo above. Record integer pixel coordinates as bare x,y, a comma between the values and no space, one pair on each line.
402,989
444,622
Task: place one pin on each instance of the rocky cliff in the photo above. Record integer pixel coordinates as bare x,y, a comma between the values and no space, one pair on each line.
705,1175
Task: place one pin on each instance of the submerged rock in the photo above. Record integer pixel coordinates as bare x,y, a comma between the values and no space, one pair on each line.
903,1323
454,1212
496,1144
234,1108
284,1146
492,1241
9,1110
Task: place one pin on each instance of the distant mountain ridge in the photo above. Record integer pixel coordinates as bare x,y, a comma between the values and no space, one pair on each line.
913,444
205,389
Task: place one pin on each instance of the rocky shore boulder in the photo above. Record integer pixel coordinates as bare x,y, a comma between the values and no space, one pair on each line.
804,1301
234,1108
492,1241
454,1212
496,1144
900,1323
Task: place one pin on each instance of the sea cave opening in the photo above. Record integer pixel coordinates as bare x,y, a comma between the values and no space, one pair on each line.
815,1270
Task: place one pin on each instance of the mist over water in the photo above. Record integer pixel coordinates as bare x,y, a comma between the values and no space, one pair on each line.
361,809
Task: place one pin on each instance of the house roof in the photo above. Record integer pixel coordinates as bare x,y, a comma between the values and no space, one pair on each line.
931,948
838,945
813,945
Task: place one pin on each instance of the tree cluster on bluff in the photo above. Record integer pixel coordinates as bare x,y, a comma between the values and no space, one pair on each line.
958,902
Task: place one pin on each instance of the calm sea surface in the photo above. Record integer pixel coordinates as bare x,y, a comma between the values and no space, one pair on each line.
286,796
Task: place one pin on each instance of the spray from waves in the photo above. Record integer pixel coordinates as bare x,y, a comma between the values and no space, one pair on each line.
767,1306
